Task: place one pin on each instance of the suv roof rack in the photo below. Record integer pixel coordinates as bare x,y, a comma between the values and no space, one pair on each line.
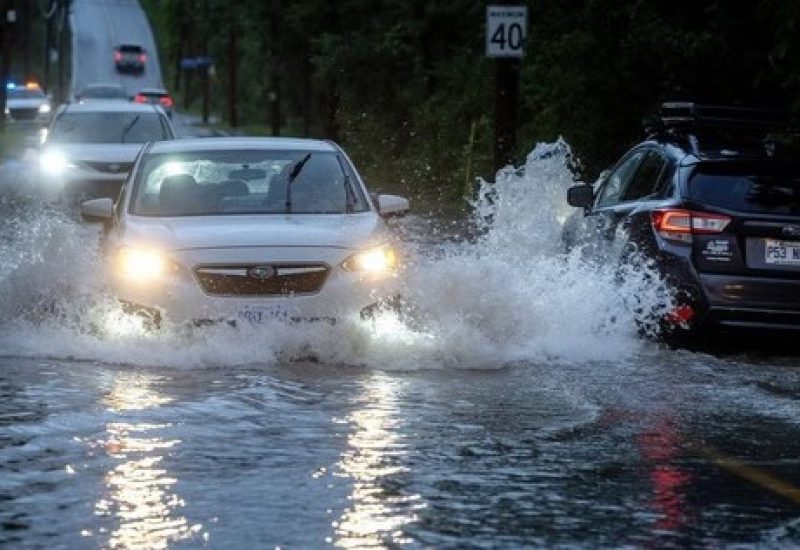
690,121
690,116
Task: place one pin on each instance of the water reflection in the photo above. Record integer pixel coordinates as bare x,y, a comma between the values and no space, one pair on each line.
375,461
139,495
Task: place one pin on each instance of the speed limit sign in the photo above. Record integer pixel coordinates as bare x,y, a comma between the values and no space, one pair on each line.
506,31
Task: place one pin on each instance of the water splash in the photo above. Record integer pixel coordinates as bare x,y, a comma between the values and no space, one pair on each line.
511,294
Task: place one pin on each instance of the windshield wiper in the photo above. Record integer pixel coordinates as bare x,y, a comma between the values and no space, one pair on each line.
293,173
129,127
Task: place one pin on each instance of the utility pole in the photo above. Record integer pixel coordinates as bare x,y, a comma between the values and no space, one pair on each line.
49,15
26,26
63,46
8,17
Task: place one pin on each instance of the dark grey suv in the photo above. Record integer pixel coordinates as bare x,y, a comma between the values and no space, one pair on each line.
712,199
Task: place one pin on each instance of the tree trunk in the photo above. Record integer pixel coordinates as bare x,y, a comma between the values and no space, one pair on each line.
233,64
274,93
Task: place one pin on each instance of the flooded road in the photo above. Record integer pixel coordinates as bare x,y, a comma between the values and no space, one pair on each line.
523,408
300,455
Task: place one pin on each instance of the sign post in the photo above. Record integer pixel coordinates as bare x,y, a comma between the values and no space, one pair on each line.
204,65
506,38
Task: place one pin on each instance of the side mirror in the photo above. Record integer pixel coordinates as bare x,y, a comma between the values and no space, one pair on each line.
580,196
392,206
97,210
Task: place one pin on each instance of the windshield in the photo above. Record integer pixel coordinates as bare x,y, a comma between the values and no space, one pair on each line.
755,189
25,93
245,182
108,127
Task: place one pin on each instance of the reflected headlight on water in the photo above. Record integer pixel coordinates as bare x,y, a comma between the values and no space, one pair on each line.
141,265
378,260
53,162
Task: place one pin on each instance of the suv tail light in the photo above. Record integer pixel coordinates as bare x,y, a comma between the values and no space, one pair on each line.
117,56
680,225
139,98
166,101
142,58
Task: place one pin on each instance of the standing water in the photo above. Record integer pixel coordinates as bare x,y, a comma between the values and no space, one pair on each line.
521,407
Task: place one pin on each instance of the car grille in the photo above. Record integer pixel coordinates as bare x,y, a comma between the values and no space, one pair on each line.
109,167
284,279
24,114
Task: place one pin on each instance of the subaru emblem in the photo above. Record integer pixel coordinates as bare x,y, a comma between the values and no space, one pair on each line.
261,272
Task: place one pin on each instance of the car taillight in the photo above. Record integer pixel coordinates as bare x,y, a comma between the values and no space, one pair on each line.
166,101
139,98
142,58
680,225
680,315
117,56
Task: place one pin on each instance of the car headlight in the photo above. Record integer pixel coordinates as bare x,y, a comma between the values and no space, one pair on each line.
53,162
141,265
44,108
381,259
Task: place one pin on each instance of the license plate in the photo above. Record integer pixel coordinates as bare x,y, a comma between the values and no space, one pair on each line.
262,314
782,252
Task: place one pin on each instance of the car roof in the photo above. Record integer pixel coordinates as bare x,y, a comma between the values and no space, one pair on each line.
110,106
234,143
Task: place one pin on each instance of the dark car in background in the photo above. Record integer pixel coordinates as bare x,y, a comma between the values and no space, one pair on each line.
91,147
130,58
156,96
712,199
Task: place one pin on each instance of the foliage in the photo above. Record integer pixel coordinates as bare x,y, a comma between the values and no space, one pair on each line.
401,83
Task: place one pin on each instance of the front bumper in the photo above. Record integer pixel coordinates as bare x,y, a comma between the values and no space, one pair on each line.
81,184
180,298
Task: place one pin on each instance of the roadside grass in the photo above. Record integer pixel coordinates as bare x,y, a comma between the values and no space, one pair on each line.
12,142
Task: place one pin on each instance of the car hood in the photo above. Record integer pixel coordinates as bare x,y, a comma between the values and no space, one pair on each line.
350,231
99,152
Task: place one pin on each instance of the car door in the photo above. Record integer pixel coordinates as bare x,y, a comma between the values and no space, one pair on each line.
610,206
647,190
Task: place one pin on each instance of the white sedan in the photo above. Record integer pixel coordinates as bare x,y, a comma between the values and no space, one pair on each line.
247,229
90,147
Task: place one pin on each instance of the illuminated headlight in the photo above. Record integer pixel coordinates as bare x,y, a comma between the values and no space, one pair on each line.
44,108
381,259
53,162
7,111
140,265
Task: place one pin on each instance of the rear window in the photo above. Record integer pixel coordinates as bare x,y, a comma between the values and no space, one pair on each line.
129,48
755,189
108,127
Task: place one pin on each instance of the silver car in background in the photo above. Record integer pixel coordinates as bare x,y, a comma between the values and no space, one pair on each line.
248,230
90,147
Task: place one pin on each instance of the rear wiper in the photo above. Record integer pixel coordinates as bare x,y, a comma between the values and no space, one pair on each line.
129,127
293,173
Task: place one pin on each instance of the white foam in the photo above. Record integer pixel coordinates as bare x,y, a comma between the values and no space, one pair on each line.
509,296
